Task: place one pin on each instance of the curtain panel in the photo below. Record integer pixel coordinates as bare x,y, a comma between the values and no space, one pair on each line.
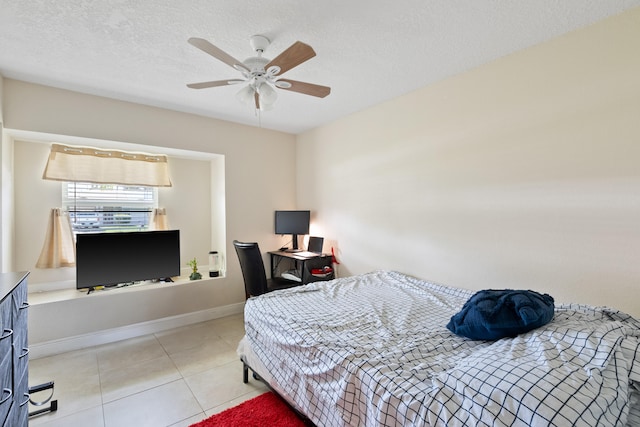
59,248
158,219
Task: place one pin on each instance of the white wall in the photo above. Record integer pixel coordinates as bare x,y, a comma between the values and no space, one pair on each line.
253,162
524,173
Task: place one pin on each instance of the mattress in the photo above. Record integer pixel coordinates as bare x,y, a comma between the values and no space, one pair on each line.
373,350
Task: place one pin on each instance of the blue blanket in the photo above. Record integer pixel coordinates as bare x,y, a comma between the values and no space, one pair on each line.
493,314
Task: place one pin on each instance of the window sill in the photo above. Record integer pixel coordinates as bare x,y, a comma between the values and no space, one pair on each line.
38,297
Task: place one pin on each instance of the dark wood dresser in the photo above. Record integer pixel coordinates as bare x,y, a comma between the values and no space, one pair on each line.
14,350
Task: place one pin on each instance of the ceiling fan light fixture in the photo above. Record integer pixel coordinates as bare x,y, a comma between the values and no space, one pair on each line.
245,95
268,95
266,107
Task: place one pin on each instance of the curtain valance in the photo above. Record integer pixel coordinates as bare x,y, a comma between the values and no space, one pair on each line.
87,164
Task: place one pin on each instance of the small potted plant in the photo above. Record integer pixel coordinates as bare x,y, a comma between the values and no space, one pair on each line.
194,270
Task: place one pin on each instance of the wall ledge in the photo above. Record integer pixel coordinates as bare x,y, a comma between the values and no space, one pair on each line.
46,293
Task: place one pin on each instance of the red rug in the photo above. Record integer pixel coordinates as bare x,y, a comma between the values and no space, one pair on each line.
262,411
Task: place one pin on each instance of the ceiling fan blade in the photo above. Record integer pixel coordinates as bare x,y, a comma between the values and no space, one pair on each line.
293,56
217,53
256,98
305,88
215,83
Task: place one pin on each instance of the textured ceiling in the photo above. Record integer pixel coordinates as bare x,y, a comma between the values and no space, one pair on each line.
368,51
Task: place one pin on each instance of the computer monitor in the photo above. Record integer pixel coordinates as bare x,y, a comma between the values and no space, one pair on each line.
292,222
315,244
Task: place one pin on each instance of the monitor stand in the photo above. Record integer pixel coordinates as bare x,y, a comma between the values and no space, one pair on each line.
294,240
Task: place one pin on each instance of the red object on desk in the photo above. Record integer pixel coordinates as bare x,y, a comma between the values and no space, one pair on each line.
333,257
324,270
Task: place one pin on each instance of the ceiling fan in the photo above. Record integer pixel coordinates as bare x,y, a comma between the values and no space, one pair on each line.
262,74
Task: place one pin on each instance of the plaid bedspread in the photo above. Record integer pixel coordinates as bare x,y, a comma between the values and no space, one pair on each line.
373,350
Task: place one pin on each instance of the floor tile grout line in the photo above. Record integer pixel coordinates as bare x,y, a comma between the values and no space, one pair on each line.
104,415
182,377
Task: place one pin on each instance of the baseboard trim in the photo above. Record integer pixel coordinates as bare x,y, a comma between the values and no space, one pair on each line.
63,345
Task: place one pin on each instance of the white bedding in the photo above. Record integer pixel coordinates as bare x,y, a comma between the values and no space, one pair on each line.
373,350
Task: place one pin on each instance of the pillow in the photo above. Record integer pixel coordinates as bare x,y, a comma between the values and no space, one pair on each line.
493,314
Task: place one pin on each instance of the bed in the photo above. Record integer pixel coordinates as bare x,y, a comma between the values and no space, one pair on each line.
373,350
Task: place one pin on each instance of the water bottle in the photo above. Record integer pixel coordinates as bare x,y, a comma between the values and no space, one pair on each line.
214,264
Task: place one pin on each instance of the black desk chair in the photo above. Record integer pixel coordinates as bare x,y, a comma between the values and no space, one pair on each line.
253,272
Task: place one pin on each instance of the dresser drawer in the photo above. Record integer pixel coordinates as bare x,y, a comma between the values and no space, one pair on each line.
6,388
19,414
14,353
20,340
20,320
20,305
6,401
6,339
6,325
6,312
6,379
20,363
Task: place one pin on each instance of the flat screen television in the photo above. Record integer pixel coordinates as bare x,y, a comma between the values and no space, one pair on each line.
294,223
107,259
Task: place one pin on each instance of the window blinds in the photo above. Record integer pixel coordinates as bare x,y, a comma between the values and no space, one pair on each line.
87,164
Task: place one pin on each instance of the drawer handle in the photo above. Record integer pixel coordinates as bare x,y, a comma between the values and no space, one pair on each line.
26,352
26,395
8,333
24,305
9,394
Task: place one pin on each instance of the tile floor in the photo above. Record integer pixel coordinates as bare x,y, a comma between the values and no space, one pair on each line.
172,378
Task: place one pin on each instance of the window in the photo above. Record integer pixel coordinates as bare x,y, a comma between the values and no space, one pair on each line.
97,208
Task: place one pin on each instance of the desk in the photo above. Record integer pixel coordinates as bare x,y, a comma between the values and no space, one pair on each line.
301,267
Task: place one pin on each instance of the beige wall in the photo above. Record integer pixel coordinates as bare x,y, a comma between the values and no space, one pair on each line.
523,173
253,162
